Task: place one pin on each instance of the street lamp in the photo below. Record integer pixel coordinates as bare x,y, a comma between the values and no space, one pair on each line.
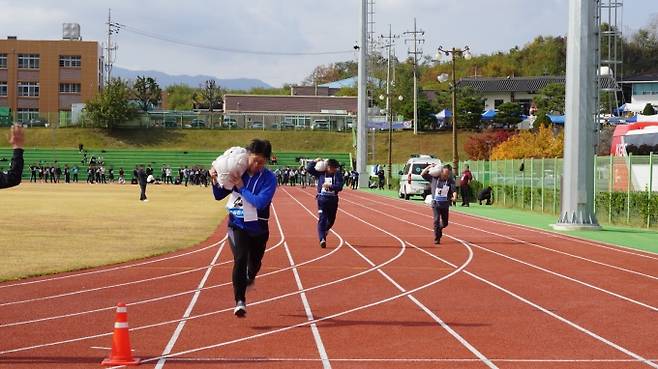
454,52
389,118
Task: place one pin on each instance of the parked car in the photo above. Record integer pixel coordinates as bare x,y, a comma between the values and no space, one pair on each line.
411,183
36,122
257,125
320,125
196,123
230,122
283,125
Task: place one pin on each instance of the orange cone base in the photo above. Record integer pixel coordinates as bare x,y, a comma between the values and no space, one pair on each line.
110,362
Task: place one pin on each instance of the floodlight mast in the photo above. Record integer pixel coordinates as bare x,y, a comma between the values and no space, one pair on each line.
577,190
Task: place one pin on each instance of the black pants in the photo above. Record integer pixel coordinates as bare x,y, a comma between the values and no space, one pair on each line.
327,209
248,251
142,195
440,221
465,193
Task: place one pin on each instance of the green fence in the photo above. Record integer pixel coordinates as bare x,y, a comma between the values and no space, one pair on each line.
626,188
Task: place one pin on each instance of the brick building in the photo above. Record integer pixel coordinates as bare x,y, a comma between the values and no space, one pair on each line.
40,80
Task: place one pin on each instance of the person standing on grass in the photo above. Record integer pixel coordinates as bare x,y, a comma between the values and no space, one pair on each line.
141,179
75,172
249,213
13,176
464,187
330,183
443,194
67,174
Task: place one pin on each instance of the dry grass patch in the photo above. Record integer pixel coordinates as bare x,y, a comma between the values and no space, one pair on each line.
48,228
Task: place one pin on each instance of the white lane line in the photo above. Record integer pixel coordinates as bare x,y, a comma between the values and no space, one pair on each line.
600,289
397,360
544,310
617,248
83,274
424,308
330,317
212,313
188,311
140,302
309,314
535,245
326,364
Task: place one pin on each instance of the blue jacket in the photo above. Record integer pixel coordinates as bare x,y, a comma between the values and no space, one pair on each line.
258,191
337,180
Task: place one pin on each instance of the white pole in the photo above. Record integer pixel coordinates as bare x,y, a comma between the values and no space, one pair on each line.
577,192
362,132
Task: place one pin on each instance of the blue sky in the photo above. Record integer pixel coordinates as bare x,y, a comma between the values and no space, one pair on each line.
290,26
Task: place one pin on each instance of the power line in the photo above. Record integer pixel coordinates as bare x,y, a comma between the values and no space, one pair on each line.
413,36
224,49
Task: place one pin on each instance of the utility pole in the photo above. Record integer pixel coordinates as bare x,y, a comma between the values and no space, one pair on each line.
388,44
362,115
112,29
413,37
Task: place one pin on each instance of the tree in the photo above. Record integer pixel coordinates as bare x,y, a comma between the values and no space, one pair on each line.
479,146
210,95
180,97
648,110
147,92
528,144
331,72
551,99
405,88
112,105
470,106
509,113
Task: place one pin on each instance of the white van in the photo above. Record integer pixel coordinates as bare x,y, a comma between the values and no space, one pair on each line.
411,183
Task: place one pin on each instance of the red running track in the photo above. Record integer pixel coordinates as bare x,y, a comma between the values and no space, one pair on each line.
492,295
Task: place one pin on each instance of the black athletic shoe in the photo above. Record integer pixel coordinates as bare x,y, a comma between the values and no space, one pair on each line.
240,309
323,243
437,240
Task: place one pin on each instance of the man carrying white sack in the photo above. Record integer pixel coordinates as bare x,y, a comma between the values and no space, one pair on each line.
251,194
330,183
443,194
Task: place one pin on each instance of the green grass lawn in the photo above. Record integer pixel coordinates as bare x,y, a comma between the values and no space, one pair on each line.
404,143
50,228
637,238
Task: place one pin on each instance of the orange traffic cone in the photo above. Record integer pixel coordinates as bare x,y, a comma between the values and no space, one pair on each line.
121,352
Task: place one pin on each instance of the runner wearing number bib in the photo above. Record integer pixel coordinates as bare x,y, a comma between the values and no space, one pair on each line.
443,194
249,211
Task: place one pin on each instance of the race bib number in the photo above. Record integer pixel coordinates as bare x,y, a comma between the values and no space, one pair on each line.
441,194
327,181
241,208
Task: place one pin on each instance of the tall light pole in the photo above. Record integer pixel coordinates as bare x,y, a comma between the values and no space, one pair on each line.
577,190
390,41
362,115
454,52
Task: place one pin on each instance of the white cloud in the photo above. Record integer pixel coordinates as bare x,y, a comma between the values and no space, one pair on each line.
287,25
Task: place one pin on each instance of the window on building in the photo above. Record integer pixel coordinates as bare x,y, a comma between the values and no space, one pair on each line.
28,89
498,102
70,61
24,115
28,61
3,61
69,88
3,88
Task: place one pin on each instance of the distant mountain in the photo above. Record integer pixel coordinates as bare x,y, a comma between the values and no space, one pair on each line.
165,79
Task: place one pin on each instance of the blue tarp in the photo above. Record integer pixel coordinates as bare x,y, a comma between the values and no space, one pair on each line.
443,114
489,115
632,119
556,119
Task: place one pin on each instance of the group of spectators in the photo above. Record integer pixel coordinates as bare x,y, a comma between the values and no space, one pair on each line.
188,175
293,176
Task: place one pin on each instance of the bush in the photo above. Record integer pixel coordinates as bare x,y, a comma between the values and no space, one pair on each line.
480,145
540,144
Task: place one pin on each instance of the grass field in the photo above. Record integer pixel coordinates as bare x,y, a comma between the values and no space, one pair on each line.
404,143
53,228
